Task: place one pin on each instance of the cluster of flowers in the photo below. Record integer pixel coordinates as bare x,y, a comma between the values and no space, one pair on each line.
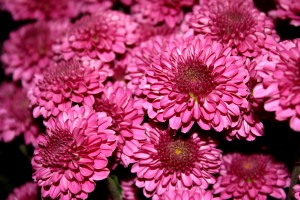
148,89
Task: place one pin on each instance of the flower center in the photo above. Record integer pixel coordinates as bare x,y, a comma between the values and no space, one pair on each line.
177,154
194,78
233,22
59,150
248,167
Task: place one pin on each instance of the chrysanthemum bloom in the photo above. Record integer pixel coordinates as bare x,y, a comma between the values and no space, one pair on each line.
61,85
287,9
195,193
127,115
28,191
102,35
296,191
251,177
141,58
129,190
167,161
146,31
92,6
248,125
236,23
73,154
156,12
41,9
28,50
280,86
15,115
197,80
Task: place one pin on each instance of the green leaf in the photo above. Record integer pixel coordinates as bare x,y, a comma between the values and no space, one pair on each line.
114,187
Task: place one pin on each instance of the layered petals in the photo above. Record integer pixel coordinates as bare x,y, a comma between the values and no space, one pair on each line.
196,81
253,176
73,154
167,161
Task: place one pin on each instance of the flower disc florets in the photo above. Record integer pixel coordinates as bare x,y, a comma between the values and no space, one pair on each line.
28,51
167,161
102,35
251,177
64,83
236,23
196,80
73,153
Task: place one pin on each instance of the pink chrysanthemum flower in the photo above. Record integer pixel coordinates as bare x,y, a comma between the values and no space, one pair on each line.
251,177
93,6
28,51
64,83
236,23
287,9
196,81
156,12
127,115
146,31
15,115
195,193
41,9
28,191
102,35
141,58
73,154
129,190
280,86
167,161
296,190
248,125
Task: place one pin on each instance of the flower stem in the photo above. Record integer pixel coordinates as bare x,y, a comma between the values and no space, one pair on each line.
113,189
295,173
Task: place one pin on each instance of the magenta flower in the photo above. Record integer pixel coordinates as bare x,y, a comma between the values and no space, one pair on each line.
129,190
280,85
296,190
73,154
41,9
141,58
248,125
64,83
287,9
102,35
127,115
28,191
251,177
236,23
15,115
28,51
93,6
197,80
169,162
195,193
155,12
